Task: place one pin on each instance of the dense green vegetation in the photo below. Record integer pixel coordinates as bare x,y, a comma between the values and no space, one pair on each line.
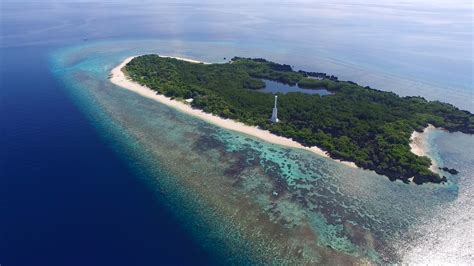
369,127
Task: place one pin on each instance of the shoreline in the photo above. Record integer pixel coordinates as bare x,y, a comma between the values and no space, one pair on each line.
175,57
419,145
118,77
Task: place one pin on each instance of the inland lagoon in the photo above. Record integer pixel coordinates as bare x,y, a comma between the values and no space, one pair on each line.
276,87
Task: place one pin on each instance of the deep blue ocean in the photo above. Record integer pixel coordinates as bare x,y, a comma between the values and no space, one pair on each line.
66,197
84,179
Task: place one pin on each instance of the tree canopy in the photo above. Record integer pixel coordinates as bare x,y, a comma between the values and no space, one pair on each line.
369,127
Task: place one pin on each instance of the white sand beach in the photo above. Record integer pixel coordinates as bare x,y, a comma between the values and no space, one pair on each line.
179,58
119,78
419,145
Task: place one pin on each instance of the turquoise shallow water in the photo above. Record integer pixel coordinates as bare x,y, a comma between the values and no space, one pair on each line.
245,200
70,197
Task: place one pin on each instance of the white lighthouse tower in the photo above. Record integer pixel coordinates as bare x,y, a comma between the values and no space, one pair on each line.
274,118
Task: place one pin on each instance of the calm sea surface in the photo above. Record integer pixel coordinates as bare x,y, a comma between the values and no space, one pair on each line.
91,174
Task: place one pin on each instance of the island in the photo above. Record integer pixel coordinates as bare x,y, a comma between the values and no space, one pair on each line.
349,122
